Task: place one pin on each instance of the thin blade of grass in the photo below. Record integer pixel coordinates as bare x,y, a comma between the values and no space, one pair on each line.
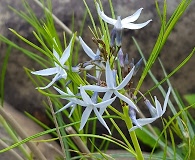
3,73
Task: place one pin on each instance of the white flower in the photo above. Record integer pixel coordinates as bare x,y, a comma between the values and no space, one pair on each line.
116,34
68,96
139,123
124,23
89,103
155,112
58,70
88,50
95,57
111,86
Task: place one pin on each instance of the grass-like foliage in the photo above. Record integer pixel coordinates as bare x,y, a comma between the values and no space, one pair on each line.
84,91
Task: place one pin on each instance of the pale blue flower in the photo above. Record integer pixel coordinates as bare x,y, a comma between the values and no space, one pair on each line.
119,24
141,122
90,104
58,69
124,23
155,112
88,51
111,87
68,96
95,58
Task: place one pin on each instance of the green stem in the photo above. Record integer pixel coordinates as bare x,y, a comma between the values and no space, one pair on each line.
132,134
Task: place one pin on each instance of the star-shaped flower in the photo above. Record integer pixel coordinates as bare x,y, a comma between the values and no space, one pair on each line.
58,70
88,51
119,24
68,96
89,103
124,23
95,57
155,112
111,86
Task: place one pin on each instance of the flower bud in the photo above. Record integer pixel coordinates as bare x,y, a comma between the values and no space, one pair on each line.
121,57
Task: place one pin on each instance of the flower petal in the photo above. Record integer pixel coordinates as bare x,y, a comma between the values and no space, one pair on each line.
158,107
102,110
142,122
126,80
72,110
60,91
70,97
132,115
136,123
104,103
77,101
101,120
46,72
104,17
125,99
65,107
107,95
66,53
136,26
62,73
109,76
151,108
85,117
69,91
133,17
87,50
95,88
85,96
56,55
166,100
52,82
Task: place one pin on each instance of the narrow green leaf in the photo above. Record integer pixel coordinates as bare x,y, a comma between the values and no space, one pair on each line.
3,73
91,17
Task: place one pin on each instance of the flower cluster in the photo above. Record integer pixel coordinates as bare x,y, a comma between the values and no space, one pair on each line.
115,84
